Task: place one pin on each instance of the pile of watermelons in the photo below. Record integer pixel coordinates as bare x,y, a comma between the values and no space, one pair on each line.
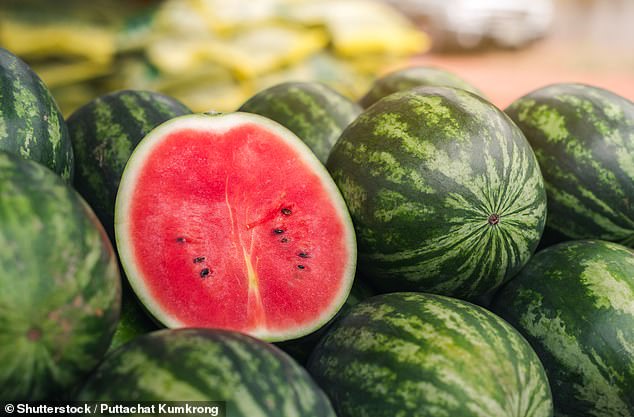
272,228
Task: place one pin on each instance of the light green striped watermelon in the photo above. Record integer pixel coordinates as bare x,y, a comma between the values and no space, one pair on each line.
104,132
411,77
316,113
59,284
444,191
574,302
583,137
31,124
423,355
254,377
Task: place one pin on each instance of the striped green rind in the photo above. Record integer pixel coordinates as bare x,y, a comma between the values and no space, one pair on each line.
416,354
31,124
255,378
422,172
59,284
574,302
104,132
411,77
583,137
300,349
316,113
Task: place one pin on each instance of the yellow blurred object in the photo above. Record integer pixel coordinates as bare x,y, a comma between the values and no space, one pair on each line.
213,96
210,54
59,74
225,17
324,67
74,39
360,27
249,53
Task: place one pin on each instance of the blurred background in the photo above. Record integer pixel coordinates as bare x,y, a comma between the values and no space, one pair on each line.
215,54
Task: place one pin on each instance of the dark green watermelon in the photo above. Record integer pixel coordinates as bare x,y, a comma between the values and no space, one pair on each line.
444,191
59,284
104,132
31,124
316,113
411,77
583,137
416,354
254,377
574,302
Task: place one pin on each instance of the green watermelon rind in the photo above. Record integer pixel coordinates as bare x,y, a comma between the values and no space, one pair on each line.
31,123
224,122
316,113
574,302
60,283
583,137
418,354
252,377
423,173
413,77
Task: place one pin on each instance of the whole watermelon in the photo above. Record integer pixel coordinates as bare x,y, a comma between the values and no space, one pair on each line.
104,132
31,124
59,284
444,191
423,355
254,377
574,302
316,113
583,137
411,77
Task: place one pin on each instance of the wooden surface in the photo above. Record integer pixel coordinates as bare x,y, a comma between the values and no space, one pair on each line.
590,42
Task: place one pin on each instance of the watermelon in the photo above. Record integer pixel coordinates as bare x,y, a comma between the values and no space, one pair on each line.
444,191
574,302
230,221
417,354
253,377
31,124
59,284
411,77
316,113
104,132
583,137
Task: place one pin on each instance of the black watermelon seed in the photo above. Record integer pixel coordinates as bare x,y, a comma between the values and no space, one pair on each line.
303,255
204,272
283,240
286,211
199,259
278,231
301,266
180,239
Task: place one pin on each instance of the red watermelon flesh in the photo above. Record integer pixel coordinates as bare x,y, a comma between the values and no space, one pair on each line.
229,221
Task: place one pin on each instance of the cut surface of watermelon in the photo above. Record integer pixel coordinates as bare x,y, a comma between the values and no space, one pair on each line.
229,221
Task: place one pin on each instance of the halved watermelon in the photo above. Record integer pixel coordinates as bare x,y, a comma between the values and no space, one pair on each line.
230,221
